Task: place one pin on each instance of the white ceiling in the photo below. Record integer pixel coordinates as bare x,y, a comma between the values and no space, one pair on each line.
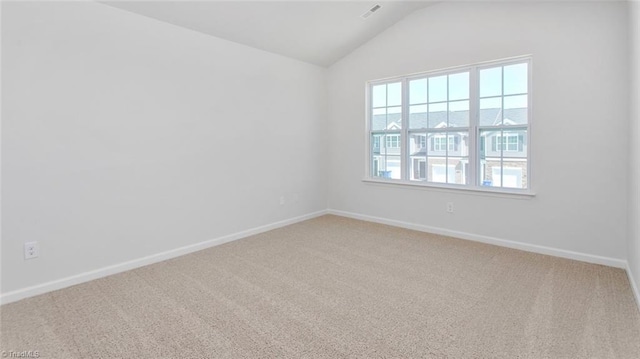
318,32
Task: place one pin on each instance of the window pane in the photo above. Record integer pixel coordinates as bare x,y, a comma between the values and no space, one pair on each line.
515,102
377,154
510,175
515,79
503,158
394,94
514,174
515,110
458,170
459,114
376,141
459,86
393,167
491,82
379,96
379,119
418,144
438,115
394,118
491,111
418,91
392,143
515,144
375,166
440,172
438,89
396,109
417,158
418,116
490,156
379,167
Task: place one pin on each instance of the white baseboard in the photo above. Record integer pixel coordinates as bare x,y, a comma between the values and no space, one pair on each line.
159,257
141,262
634,286
611,262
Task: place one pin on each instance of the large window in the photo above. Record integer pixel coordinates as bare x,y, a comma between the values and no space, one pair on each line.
466,127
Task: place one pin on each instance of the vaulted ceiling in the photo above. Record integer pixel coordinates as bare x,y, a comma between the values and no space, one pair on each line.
317,32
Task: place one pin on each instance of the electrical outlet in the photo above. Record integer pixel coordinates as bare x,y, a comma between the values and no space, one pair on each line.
281,200
450,207
31,250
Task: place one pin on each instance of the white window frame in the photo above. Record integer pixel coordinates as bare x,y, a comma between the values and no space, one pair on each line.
475,180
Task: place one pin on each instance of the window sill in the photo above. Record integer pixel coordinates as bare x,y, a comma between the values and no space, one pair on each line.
481,191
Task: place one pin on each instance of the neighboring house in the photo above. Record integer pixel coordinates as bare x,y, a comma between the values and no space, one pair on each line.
439,153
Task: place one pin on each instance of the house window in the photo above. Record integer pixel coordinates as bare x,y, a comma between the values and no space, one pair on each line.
467,126
393,141
422,141
376,142
510,142
443,143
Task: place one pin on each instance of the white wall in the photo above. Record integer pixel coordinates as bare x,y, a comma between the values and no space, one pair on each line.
579,142
124,137
634,164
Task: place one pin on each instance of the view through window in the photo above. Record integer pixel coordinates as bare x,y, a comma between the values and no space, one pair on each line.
462,127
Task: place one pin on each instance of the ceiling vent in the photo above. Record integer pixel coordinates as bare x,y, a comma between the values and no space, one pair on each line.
370,11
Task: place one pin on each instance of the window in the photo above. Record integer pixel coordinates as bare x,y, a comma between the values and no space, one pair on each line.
376,142
393,141
508,142
442,143
467,126
386,122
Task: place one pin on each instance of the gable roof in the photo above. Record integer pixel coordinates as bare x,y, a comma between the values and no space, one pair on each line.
489,117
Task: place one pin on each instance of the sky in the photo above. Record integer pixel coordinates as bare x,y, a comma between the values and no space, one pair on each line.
455,89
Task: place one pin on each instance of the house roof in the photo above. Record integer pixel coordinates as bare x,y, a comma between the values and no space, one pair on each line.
488,117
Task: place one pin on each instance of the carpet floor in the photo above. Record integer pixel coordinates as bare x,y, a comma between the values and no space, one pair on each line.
333,287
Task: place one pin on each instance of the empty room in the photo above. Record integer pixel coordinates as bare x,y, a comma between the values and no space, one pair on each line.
320,179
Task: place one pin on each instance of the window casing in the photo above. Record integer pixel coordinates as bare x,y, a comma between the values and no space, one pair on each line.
467,127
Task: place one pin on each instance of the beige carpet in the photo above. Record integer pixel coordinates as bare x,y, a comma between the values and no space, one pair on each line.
333,288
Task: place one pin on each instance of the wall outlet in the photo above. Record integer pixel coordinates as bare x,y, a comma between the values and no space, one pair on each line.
450,207
31,250
281,200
